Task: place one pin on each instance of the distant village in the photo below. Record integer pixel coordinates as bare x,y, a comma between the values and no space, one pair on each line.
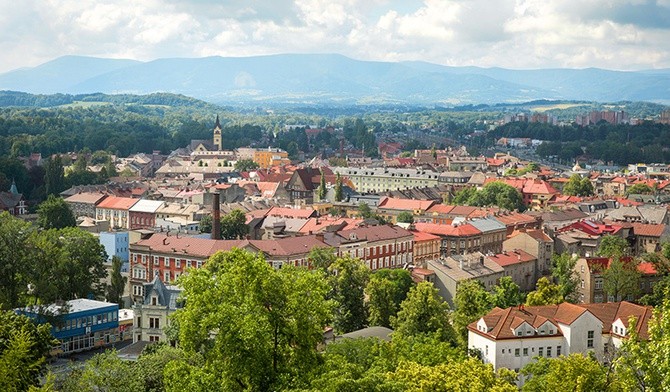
397,211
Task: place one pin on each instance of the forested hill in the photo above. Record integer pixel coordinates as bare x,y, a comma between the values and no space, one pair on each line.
21,99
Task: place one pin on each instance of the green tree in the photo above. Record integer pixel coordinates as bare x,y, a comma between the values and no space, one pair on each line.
646,363
621,279
54,176
563,271
463,196
206,224
575,372
16,260
118,282
364,211
69,264
640,189
233,225
255,326
424,312
322,187
105,371
546,293
612,246
507,293
23,348
578,186
245,165
468,375
338,188
348,278
471,301
495,193
55,213
405,217
385,291
322,258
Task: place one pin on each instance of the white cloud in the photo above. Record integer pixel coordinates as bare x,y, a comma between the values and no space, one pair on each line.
627,34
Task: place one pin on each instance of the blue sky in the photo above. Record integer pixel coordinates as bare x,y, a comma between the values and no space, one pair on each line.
613,34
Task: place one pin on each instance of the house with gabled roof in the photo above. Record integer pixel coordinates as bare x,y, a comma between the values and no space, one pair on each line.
514,337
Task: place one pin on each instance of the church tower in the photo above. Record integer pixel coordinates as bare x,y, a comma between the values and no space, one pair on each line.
217,134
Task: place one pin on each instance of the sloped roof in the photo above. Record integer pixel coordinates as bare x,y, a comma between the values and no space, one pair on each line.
507,258
150,206
117,203
462,230
405,204
648,230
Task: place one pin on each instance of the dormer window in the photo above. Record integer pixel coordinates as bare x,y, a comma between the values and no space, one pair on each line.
154,300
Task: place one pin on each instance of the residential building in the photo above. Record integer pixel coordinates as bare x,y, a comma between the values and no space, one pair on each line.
383,179
493,234
512,338
537,243
115,210
456,239
647,237
83,204
115,244
426,247
84,324
269,157
383,246
518,265
451,271
152,314
143,214
591,289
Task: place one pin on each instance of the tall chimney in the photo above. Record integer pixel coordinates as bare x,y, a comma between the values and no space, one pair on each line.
216,216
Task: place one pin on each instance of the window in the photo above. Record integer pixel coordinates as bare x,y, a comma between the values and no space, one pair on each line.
599,284
540,351
549,351
589,339
517,352
154,300
487,349
166,276
583,283
153,338
139,322
155,260
525,352
154,322
519,333
167,262
558,351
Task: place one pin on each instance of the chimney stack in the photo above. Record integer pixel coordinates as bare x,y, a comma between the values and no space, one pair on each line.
216,216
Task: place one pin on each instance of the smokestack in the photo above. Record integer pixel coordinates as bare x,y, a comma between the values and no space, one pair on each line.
216,217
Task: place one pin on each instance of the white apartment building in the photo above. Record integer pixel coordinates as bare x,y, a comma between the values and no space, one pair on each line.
513,337
382,179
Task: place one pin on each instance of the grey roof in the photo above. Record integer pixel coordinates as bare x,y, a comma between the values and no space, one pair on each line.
472,266
487,225
167,295
645,214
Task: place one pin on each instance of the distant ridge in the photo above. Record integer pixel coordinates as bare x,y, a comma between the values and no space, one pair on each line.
333,79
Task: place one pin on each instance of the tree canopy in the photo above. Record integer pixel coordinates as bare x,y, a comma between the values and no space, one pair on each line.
55,213
546,293
495,193
578,186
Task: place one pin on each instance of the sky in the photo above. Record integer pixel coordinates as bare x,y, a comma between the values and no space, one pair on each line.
519,34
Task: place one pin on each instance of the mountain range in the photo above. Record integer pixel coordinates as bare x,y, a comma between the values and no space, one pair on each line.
333,79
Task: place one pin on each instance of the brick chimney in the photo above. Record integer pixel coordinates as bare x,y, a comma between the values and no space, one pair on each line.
216,216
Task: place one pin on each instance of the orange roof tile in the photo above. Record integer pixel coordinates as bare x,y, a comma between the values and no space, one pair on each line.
117,203
405,204
462,230
648,230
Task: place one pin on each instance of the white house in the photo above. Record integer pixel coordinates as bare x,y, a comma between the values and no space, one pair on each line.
513,337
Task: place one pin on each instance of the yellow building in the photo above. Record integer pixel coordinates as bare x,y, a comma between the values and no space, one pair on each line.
271,157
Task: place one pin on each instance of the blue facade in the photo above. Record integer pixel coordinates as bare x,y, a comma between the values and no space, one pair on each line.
116,244
87,324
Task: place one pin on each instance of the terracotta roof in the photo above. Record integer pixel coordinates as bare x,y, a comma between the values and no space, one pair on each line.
420,236
647,268
513,219
517,256
117,203
440,209
462,230
315,225
501,323
292,246
405,204
648,230
190,246
376,233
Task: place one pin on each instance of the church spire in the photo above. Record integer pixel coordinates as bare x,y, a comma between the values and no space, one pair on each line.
13,188
216,139
217,124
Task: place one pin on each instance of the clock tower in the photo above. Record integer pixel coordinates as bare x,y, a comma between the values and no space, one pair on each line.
217,134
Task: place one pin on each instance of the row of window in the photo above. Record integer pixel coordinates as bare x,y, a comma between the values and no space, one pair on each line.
540,351
87,321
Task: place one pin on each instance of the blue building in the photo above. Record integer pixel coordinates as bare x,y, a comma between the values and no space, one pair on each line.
85,324
116,244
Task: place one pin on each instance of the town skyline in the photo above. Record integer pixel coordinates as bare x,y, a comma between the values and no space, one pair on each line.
509,34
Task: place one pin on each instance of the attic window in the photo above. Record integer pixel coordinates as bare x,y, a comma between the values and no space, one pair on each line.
154,301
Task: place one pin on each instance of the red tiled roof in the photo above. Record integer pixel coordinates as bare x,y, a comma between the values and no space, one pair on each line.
648,230
315,225
420,236
440,209
647,268
405,204
462,230
516,256
534,233
117,203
